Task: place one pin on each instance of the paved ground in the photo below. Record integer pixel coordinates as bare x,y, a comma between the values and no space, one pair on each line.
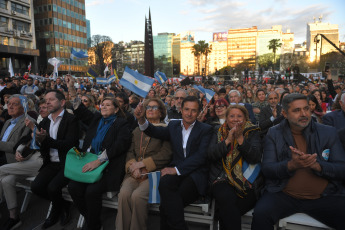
36,213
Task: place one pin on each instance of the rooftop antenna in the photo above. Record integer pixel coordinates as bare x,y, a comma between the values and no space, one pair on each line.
314,19
320,18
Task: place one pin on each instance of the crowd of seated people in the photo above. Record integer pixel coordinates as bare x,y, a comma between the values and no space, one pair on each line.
274,148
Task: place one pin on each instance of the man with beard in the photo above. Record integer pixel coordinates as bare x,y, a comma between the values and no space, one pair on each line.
304,166
56,134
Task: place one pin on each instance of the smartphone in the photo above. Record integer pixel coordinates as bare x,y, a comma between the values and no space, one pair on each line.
327,66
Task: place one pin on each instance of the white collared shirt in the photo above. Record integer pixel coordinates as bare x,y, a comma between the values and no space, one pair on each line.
53,130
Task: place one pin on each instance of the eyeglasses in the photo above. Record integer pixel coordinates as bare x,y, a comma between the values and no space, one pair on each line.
219,106
155,107
179,98
237,104
85,100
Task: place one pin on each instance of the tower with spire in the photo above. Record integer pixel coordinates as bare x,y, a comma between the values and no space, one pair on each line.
149,58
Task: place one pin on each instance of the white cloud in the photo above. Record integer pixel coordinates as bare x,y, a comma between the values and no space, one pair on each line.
221,15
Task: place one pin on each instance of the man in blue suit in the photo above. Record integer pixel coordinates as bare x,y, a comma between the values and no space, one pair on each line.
337,117
186,178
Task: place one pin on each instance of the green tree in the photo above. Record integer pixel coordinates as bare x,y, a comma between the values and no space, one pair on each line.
273,45
205,50
196,50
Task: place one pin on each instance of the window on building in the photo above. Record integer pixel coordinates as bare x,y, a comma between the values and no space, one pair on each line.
59,9
21,9
4,40
3,4
54,8
19,25
45,8
3,22
49,7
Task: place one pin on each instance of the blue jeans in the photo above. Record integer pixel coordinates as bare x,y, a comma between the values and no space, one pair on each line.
272,207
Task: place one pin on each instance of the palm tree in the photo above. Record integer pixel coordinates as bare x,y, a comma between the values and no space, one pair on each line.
206,49
273,45
196,50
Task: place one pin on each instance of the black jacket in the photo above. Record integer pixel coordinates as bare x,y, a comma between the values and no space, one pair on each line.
251,151
116,142
67,137
265,118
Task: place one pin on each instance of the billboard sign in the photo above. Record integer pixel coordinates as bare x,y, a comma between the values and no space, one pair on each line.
220,36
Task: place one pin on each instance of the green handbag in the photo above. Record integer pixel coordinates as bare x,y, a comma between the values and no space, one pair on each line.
75,161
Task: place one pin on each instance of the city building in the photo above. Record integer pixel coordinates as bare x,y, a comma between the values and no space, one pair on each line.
176,54
162,46
61,25
317,45
88,32
188,62
217,59
133,57
242,46
17,36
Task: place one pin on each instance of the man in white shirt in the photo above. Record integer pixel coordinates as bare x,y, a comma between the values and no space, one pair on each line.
56,134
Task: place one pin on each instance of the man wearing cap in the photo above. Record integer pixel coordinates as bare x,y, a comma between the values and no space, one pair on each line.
29,88
14,129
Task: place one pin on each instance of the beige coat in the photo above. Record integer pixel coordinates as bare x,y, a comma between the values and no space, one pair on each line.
156,154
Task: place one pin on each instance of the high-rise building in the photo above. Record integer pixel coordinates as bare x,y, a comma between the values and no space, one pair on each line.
61,25
217,59
17,36
162,45
242,46
188,63
149,56
88,32
318,45
176,54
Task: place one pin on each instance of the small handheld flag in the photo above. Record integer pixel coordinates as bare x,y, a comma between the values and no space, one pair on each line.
136,82
161,78
154,197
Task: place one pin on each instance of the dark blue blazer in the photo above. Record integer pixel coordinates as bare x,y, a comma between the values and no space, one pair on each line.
195,163
335,119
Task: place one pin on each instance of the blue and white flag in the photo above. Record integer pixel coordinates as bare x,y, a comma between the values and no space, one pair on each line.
161,78
182,77
250,172
136,82
154,197
208,93
102,81
77,55
33,141
111,79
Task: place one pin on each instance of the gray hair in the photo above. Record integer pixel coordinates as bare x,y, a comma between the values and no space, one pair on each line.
288,99
181,90
235,91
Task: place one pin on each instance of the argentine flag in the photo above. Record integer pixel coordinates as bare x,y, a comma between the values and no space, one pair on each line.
136,82
101,81
182,77
111,79
161,78
77,55
154,197
208,93
250,172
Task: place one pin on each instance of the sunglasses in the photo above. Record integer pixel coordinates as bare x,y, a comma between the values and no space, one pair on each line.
155,107
85,100
177,98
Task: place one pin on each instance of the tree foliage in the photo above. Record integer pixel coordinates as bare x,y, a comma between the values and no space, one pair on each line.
273,45
101,45
200,49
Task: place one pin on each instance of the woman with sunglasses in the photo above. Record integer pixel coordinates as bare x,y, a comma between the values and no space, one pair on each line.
109,137
145,155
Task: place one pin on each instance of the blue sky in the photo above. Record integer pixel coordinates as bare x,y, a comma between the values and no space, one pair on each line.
124,20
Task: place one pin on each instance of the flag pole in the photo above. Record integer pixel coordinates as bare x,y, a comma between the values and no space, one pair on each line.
69,69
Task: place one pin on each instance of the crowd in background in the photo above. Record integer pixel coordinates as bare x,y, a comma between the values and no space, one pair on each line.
240,113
